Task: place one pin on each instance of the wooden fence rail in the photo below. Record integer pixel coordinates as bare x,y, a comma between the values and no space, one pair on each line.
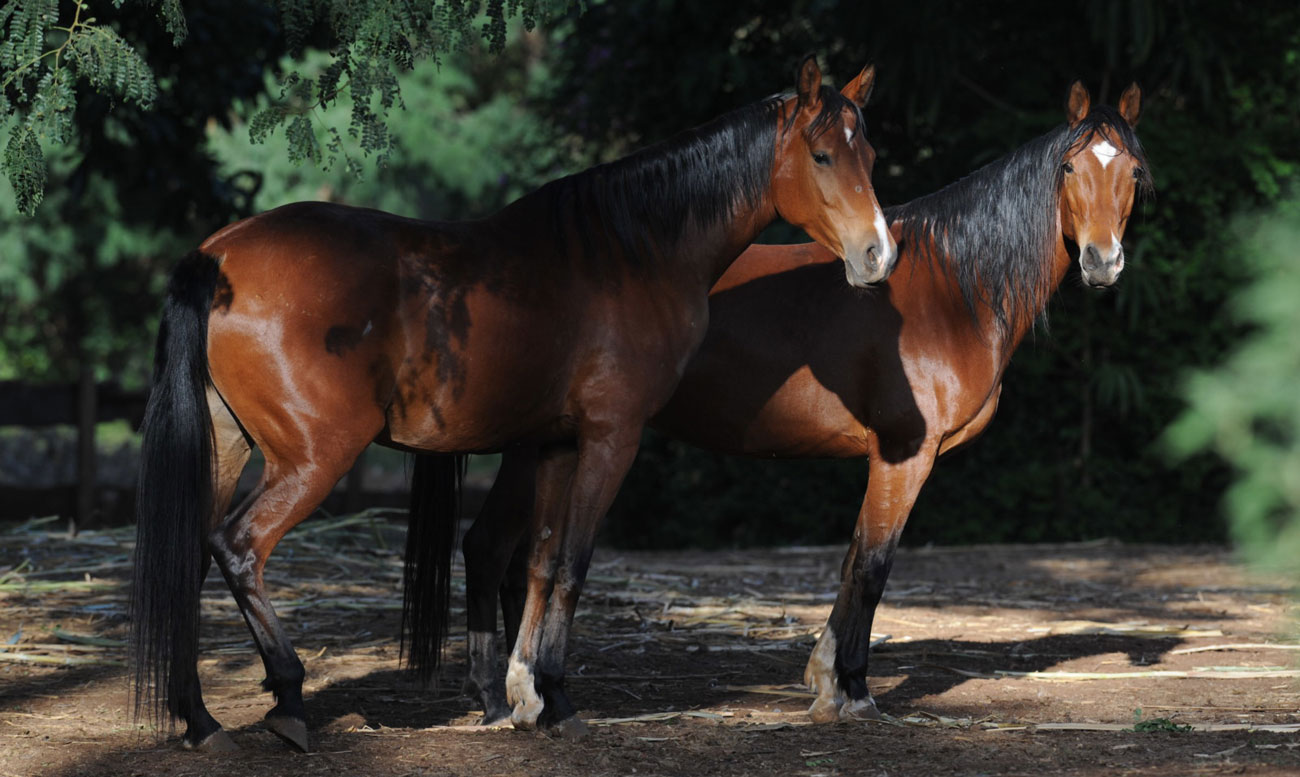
83,405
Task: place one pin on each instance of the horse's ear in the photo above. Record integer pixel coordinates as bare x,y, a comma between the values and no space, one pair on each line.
1130,104
810,84
1079,103
859,89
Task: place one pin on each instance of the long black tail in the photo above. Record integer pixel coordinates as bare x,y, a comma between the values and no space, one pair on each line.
174,499
430,539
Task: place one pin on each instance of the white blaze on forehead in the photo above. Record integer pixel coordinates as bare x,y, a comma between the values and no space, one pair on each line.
1104,152
848,133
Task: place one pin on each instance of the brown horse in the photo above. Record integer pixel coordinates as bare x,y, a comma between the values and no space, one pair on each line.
796,364
563,322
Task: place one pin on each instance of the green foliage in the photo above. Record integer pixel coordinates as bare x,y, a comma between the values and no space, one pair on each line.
370,43
69,287
1154,725
129,190
1247,408
468,143
36,82
25,166
111,66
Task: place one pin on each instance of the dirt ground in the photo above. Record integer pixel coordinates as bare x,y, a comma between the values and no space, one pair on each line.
1000,660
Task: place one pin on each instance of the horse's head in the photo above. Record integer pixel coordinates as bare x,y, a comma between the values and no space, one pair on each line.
821,174
1102,169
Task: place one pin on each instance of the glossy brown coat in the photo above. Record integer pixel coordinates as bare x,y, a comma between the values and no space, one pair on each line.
797,364
553,325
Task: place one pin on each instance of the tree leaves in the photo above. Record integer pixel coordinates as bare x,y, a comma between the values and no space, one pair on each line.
302,140
371,41
112,66
42,81
24,165
29,20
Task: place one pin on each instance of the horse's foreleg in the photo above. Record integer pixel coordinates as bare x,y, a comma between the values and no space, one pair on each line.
602,466
562,549
555,472
489,546
837,670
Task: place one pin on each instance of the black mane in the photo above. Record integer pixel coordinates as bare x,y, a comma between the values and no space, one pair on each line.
645,202
996,227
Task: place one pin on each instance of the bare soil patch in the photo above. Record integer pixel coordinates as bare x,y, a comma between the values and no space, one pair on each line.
1000,660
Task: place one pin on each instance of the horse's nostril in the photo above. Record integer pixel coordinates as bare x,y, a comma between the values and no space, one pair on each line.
1091,257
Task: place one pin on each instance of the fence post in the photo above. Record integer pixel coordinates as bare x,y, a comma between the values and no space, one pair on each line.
87,407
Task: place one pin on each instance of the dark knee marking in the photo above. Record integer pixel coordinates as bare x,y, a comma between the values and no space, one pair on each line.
865,583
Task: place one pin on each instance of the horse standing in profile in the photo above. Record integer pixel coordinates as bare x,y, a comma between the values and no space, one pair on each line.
796,364
562,323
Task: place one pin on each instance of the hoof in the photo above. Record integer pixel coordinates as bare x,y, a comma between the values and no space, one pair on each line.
216,742
525,715
572,728
825,710
291,730
521,690
496,711
860,709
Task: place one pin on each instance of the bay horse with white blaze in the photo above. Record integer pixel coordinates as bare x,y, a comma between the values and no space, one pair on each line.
796,364
562,322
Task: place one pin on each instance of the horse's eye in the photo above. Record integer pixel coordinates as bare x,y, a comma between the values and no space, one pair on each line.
822,158
1067,167
1137,173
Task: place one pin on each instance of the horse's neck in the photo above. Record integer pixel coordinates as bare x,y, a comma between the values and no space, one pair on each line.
702,252
714,250
682,208
1006,342
985,329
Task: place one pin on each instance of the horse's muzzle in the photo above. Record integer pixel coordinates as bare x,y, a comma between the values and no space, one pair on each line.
1101,269
871,266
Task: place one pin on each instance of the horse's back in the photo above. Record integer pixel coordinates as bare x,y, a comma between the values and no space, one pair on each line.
461,335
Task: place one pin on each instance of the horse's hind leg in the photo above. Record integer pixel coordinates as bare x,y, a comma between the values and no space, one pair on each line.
489,546
230,455
837,670
297,478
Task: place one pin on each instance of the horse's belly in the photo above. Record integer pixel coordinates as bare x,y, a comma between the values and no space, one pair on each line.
481,399
803,418
800,418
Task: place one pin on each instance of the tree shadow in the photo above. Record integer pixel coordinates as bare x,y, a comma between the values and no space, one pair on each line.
391,698
677,680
